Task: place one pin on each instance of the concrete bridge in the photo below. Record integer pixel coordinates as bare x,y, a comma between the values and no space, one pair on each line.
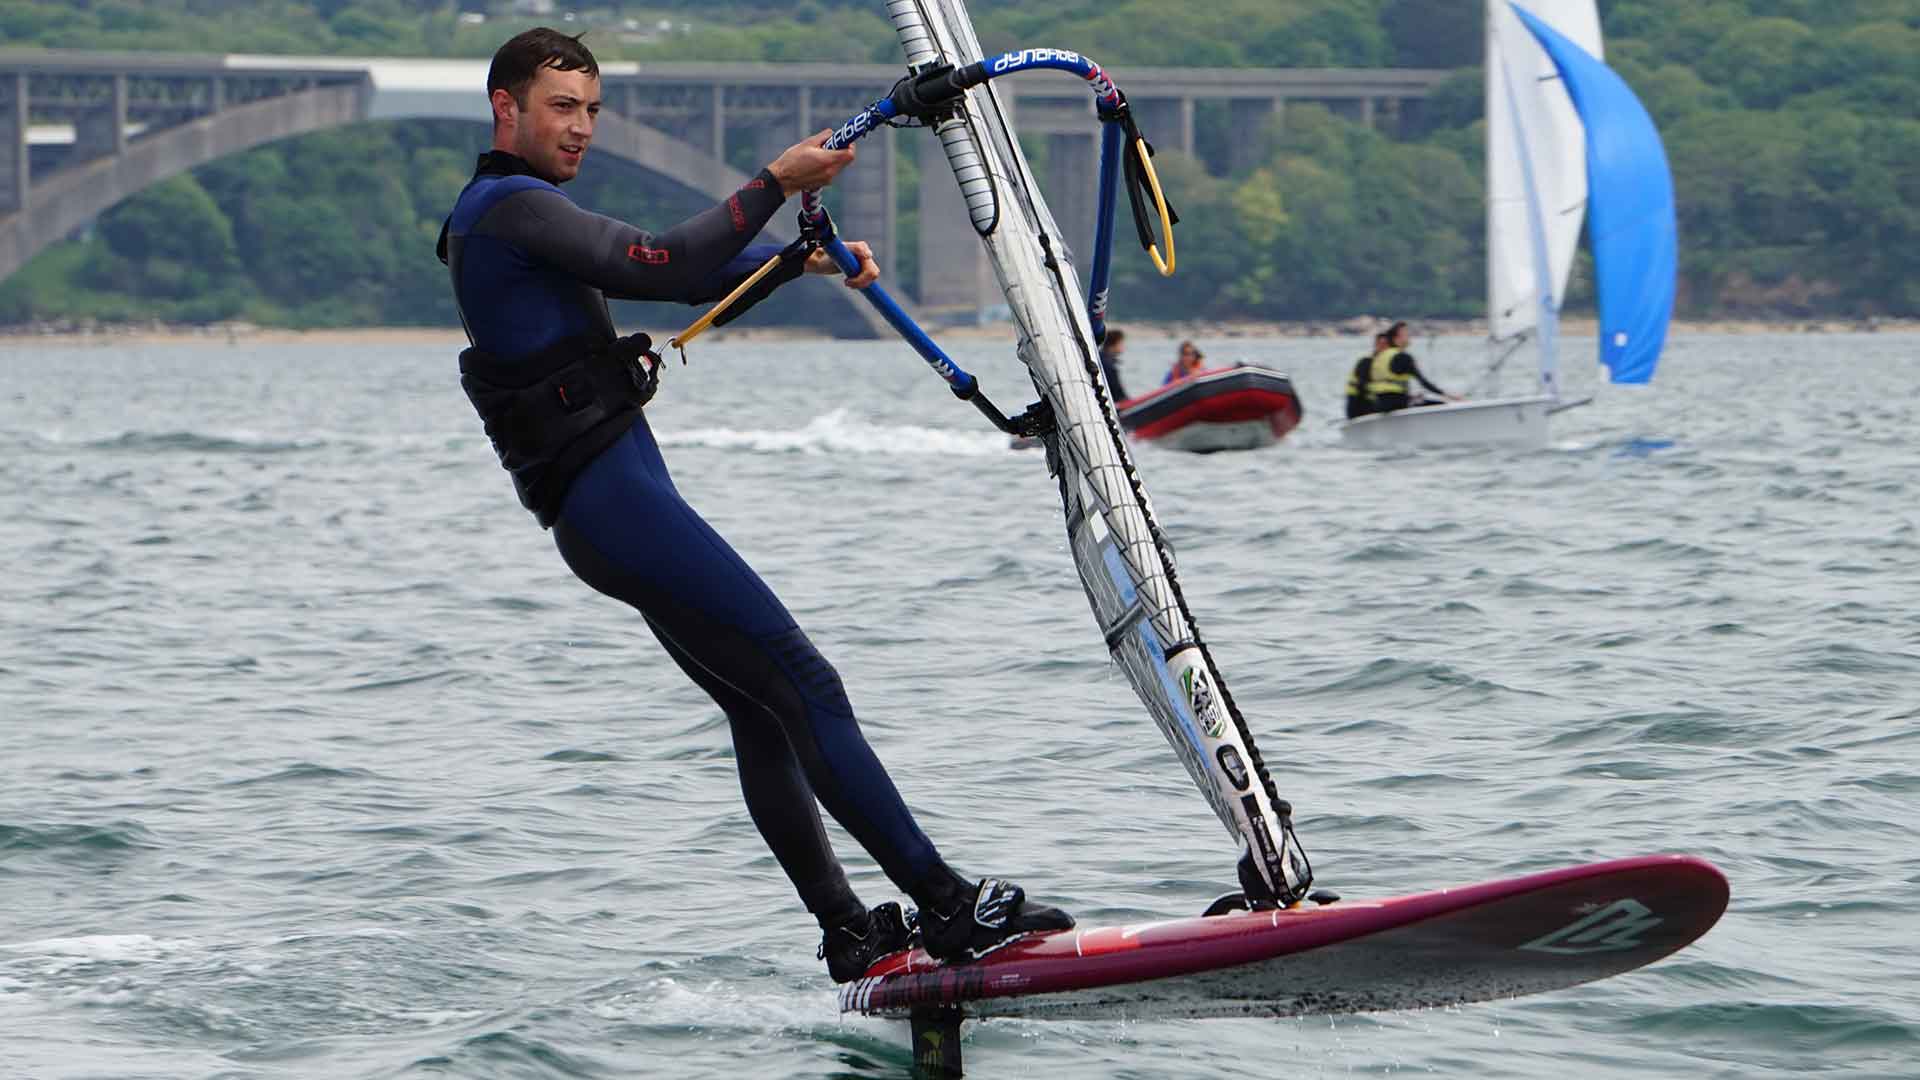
79,132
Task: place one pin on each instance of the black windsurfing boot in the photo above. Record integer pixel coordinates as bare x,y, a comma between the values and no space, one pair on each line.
969,922
851,947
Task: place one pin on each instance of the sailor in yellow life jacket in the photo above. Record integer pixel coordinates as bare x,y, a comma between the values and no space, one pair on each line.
1359,401
1391,374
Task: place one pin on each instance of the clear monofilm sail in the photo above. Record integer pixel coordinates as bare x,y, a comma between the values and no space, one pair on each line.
1125,562
1536,168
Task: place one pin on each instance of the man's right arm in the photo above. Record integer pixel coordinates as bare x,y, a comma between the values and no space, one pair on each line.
628,263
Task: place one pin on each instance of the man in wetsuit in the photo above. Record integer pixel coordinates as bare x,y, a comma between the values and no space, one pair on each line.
561,398
1391,375
1111,350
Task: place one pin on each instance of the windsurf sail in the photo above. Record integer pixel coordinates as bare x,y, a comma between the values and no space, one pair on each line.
1634,232
1124,559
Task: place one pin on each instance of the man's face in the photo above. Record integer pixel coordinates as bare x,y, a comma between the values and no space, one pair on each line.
1401,337
551,134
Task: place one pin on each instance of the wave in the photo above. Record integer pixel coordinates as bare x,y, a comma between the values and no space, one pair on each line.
95,948
74,839
196,442
839,432
243,441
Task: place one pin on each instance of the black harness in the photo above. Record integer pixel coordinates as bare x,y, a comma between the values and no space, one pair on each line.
550,414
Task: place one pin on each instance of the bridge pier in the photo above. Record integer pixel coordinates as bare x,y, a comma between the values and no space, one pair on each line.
102,131
769,140
15,176
955,280
1167,123
1247,149
713,134
1073,191
862,200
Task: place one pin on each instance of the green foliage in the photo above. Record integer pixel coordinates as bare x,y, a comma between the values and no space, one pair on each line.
1340,220
1793,127
1436,33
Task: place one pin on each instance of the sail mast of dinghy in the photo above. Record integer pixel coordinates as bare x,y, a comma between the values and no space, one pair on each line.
1546,314
1536,179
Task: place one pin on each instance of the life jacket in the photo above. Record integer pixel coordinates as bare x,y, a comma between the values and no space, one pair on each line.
550,414
1357,378
1381,378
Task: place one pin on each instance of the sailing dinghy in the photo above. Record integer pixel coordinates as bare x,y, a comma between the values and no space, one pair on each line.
1567,142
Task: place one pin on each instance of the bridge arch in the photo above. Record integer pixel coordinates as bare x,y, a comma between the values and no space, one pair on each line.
70,198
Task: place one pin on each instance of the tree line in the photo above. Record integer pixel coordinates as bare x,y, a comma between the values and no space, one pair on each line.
1793,127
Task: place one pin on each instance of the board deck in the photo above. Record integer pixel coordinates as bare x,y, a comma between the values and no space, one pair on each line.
1499,939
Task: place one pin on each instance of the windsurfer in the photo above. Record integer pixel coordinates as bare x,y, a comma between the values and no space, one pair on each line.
562,397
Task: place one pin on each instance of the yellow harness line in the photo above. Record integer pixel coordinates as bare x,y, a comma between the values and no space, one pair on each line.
1160,202
679,341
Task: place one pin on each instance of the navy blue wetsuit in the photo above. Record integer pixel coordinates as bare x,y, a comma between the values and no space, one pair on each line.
530,269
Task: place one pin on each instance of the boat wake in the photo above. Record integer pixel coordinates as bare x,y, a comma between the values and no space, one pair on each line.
840,432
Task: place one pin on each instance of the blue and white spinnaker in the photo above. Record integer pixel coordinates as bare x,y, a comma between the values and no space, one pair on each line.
1568,145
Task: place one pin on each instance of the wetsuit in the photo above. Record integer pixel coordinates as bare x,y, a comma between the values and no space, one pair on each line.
1110,366
531,269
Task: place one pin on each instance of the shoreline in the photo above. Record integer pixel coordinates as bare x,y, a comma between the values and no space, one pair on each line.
451,336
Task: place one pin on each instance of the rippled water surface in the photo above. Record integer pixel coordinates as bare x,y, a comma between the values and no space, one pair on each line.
315,760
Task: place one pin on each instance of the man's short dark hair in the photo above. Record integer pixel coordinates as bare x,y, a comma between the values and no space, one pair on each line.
1115,336
522,57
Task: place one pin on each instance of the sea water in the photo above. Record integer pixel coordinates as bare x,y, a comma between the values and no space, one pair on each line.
315,761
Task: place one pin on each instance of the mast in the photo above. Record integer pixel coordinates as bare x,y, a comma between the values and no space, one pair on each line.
1536,178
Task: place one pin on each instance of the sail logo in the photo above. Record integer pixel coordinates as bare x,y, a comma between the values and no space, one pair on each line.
1006,62
1614,928
851,131
1200,699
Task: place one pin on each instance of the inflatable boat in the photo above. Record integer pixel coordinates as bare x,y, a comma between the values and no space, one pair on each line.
1236,408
